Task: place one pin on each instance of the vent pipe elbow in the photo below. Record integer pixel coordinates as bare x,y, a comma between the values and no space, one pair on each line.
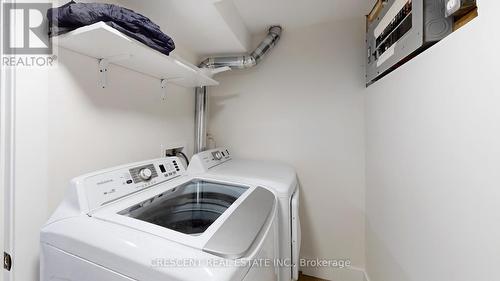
246,61
267,44
233,62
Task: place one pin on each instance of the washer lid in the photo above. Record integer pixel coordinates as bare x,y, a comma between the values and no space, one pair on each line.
243,226
232,228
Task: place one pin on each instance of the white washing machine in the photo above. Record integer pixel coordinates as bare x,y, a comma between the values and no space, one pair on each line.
154,221
281,179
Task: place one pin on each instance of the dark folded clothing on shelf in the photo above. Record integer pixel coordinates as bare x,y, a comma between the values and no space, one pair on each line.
75,15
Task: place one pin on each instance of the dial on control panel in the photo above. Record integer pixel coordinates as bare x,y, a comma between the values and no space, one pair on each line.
145,174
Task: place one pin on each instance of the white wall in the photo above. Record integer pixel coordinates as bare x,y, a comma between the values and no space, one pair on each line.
67,126
303,105
433,158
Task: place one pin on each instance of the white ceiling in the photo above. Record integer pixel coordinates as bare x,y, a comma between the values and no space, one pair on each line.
215,27
259,14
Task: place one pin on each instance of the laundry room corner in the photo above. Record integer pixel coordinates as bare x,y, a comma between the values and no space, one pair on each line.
277,110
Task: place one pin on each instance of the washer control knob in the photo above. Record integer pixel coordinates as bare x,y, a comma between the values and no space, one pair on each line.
145,174
218,155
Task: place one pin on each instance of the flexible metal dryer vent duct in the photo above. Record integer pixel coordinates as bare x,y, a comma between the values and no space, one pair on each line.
233,62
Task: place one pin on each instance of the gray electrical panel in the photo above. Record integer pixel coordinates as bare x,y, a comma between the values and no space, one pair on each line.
401,30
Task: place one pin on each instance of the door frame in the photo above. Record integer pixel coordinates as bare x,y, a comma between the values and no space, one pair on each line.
7,151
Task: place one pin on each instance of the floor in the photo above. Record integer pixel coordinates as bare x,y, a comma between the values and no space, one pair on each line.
308,278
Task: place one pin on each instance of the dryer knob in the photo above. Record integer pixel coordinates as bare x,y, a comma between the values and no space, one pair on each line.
145,174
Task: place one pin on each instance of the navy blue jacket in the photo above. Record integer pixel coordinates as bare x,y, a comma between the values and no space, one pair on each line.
75,15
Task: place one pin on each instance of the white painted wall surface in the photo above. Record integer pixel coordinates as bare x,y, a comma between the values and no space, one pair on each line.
67,126
433,158
304,106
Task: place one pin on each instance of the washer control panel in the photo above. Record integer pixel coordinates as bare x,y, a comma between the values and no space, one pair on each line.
110,185
205,160
144,173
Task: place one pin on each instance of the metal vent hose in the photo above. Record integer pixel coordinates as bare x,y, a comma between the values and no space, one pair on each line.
233,62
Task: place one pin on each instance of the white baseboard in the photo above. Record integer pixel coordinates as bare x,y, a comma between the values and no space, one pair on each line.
335,274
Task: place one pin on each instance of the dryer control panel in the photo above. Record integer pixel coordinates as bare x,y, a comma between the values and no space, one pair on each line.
203,161
109,185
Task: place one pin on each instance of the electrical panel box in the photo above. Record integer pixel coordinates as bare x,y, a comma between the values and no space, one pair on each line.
398,30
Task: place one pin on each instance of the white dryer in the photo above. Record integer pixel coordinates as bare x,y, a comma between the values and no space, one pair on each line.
281,179
153,221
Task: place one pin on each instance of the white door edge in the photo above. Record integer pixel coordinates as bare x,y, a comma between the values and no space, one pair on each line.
7,154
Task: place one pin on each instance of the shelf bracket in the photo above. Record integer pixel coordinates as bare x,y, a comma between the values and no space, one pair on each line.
103,67
163,83
103,72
